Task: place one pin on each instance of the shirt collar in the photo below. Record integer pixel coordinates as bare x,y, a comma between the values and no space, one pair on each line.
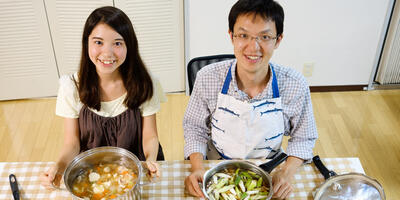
265,93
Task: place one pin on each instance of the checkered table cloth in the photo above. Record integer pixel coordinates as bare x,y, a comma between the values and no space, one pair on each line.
171,183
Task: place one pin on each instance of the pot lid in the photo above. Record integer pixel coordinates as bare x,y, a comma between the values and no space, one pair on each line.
352,186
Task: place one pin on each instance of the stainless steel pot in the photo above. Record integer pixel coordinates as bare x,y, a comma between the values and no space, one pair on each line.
348,186
262,170
104,155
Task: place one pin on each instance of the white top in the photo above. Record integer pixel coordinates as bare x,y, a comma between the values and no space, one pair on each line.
69,104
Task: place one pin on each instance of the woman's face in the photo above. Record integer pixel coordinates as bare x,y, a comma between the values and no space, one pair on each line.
107,49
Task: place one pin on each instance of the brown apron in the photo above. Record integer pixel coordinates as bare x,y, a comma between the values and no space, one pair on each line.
123,130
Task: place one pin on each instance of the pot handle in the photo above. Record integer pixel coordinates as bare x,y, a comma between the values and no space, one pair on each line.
269,166
321,167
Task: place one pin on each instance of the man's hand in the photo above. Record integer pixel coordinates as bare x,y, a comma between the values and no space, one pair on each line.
282,186
282,177
192,183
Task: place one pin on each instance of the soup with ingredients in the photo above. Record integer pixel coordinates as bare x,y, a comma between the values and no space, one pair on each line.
104,181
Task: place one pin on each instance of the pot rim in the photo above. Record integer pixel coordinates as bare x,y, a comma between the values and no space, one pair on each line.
220,166
110,149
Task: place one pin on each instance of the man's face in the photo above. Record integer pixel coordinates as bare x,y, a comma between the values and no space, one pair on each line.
254,41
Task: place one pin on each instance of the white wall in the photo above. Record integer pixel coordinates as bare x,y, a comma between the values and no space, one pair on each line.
340,38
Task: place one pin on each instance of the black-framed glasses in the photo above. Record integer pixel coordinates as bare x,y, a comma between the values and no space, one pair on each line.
245,38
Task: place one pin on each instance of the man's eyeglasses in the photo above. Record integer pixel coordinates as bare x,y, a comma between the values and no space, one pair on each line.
261,39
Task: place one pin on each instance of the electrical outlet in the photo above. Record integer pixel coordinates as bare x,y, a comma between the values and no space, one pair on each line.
308,69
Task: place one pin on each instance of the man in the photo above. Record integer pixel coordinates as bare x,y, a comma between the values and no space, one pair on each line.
241,108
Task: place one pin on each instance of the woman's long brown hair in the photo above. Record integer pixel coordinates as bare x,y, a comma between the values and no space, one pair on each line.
135,76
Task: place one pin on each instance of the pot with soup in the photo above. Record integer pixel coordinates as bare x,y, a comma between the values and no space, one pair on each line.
104,173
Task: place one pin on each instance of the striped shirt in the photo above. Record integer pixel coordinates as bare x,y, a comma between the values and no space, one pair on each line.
294,91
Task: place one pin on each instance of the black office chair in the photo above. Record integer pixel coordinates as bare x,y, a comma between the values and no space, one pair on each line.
196,64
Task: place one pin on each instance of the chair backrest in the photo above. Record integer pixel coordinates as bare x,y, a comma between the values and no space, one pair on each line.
196,64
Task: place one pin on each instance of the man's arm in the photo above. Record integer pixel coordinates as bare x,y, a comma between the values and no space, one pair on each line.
196,119
196,136
301,126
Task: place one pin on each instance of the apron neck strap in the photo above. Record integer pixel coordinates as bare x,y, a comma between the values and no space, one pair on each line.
275,89
228,79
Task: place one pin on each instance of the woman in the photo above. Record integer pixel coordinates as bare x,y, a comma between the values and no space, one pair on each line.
112,100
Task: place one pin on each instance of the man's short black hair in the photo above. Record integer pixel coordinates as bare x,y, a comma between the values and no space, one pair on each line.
267,9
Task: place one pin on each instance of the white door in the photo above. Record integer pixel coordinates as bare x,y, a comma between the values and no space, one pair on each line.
159,28
28,68
66,20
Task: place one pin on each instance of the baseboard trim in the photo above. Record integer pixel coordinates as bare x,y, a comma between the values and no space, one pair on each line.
337,88
386,86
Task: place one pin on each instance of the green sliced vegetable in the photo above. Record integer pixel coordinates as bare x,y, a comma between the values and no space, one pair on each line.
231,181
210,188
251,172
252,185
237,171
225,196
216,195
237,180
248,182
244,195
224,189
222,175
238,193
258,196
221,183
247,175
259,182
242,187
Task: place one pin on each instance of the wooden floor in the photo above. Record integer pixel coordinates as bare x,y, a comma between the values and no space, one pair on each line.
364,124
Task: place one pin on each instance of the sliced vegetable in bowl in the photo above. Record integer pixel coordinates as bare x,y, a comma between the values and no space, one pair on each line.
240,179
234,184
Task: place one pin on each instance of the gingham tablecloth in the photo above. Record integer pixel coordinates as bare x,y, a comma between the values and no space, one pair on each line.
171,183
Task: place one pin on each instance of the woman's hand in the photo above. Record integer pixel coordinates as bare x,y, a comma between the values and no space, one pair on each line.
192,183
52,177
154,169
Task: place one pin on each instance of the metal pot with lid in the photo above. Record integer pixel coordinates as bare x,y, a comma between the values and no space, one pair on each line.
348,186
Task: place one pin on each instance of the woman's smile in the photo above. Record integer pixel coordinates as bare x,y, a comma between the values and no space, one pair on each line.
107,63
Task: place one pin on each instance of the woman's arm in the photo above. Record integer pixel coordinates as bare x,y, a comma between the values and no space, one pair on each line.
150,144
150,137
70,149
71,146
